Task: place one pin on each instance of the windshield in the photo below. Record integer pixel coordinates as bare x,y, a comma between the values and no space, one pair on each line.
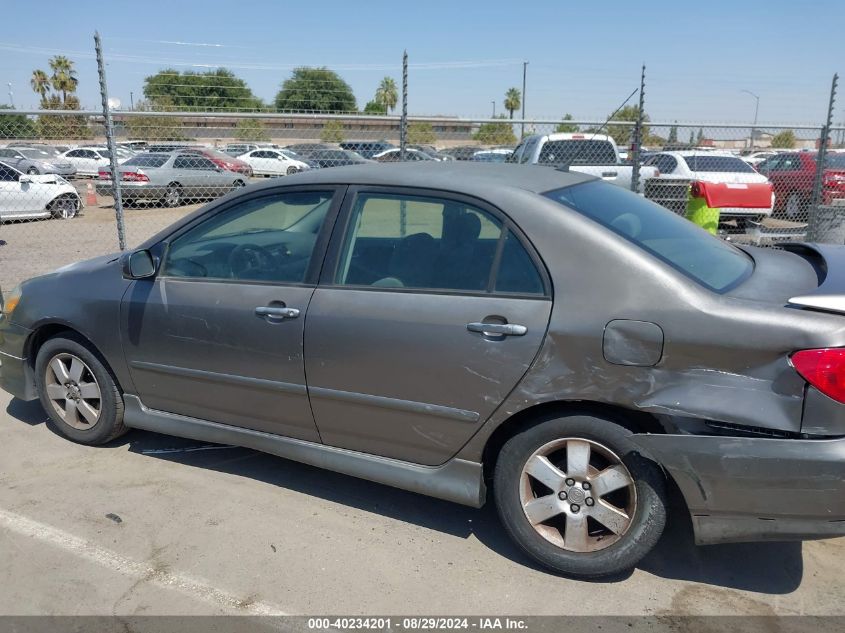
836,161
578,151
147,160
674,240
718,163
35,153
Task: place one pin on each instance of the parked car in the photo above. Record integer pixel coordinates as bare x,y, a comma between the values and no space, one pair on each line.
571,343
89,160
792,175
367,149
394,155
36,160
293,155
134,145
26,196
335,158
755,158
433,152
717,167
167,147
594,154
492,155
272,162
171,178
236,149
464,152
222,160
306,149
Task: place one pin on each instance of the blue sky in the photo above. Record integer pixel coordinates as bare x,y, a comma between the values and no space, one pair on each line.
584,58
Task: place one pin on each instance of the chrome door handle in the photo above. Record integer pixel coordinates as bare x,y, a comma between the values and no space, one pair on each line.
498,329
276,312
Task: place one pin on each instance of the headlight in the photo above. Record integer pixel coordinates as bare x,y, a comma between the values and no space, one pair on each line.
9,301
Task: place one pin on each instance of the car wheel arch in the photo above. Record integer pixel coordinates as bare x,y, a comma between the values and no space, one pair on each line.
635,421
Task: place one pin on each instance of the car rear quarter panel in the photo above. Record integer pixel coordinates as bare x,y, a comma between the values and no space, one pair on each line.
724,358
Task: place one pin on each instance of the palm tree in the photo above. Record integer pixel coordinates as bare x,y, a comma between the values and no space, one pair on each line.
40,83
513,99
386,95
64,76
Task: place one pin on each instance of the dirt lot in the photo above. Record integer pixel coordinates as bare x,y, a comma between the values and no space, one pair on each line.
152,524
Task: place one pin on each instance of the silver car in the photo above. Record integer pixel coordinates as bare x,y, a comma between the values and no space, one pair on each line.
36,160
172,178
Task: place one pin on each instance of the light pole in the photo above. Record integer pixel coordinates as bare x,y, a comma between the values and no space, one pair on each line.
494,107
756,110
11,96
131,100
524,72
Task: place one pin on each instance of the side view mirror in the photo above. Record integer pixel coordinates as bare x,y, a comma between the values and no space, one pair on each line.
25,178
138,265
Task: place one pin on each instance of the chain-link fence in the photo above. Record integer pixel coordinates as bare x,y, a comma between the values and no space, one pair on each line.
59,202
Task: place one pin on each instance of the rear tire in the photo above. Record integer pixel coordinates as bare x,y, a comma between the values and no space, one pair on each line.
580,476
78,391
32,171
172,196
292,170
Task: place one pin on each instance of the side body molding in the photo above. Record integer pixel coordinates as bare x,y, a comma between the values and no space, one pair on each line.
457,480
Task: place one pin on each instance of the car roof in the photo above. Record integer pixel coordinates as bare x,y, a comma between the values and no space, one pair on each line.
692,152
482,180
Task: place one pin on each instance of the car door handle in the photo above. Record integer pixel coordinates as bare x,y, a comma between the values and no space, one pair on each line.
276,312
498,329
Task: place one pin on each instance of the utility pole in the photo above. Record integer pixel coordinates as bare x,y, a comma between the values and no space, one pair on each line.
403,121
11,96
131,100
524,73
494,107
756,110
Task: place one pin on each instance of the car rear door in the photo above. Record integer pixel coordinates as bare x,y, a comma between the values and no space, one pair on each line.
217,333
430,309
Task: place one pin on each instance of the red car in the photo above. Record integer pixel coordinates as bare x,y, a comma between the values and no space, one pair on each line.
792,175
222,160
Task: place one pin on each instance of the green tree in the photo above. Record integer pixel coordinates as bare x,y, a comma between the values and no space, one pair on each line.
784,139
374,107
421,133
332,132
386,95
251,130
566,128
513,100
63,79
691,138
16,125
700,137
673,134
57,91
216,89
152,128
40,83
495,133
315,90
623,134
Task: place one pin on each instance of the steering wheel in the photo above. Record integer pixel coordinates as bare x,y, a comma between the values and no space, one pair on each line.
246,257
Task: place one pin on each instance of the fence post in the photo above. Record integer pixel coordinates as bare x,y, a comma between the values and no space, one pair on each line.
638,137
403,124
107,122
818,181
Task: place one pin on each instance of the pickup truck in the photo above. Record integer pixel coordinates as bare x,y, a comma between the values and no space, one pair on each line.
594,154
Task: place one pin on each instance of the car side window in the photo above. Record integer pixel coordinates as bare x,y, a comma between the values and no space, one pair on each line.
269,239
517,273
7,153
665,164
7,174
404,241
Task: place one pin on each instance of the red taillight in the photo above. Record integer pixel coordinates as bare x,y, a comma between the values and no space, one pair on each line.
134,177
104,175
824,369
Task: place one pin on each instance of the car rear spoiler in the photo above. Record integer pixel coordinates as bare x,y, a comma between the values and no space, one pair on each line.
829,261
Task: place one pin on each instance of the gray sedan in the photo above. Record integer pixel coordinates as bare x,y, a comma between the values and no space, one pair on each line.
446,327
171,178
36,160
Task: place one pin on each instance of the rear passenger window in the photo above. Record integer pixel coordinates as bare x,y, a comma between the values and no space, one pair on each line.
397,241
517,273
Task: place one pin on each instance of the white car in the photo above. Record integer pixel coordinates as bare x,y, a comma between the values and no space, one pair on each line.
89,160
755,158
267,161
26,196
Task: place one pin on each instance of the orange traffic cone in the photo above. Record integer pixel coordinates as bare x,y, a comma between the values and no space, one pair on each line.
90,196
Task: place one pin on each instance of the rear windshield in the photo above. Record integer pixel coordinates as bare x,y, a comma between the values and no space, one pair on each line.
836,161
718,163
706,259
577,151
147,160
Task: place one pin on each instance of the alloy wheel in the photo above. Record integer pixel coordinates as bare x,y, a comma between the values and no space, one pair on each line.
578,494
73,391
65,208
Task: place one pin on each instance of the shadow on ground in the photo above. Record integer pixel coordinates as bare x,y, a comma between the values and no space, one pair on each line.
771,568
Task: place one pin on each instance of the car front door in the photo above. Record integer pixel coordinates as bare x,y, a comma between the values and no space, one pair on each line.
217,333
16,197
430,309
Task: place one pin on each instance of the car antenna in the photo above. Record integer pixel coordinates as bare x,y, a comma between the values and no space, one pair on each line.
602,126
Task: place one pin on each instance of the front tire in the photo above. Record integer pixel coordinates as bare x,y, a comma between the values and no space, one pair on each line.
65,207
292,170
78,391
32,171
577,497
